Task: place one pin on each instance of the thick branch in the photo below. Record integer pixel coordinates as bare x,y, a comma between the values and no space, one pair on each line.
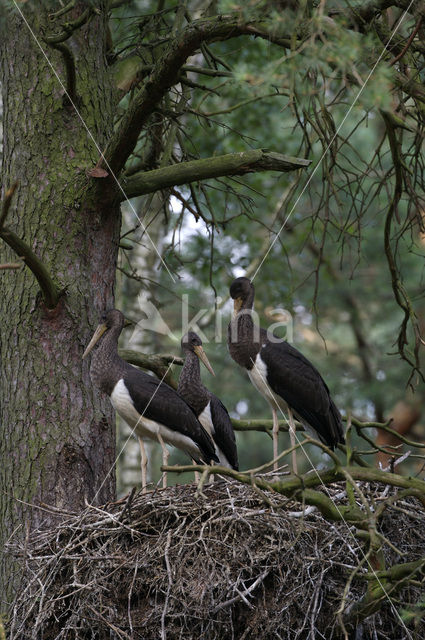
50,291
385,584
295,486
235,164
124,83
363,474
165,74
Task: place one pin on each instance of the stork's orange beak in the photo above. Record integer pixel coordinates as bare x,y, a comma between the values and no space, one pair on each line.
100,330
203,356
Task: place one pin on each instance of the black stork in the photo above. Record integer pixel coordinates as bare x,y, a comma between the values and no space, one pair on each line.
211,412
150,407
286,379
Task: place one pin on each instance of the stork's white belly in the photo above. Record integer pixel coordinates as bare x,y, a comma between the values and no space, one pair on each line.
145,427
205,418
258,377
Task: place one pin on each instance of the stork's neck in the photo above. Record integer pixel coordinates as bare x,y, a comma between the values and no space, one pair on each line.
244,337
190,385
242,327
248,303
106,366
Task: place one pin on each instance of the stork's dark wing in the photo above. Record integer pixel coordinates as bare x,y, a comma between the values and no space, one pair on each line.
224,435
298,382
160,402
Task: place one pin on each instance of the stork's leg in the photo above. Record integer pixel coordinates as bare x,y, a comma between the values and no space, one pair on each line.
293,440
196,473
143,464
275,439
211,480
165,455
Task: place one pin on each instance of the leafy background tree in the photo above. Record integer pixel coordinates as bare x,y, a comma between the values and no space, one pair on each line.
339,244
328,266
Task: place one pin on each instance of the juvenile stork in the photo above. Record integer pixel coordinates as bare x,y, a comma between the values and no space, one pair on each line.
150,407
286,379
211,412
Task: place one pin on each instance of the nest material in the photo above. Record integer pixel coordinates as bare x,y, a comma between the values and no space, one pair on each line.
230,564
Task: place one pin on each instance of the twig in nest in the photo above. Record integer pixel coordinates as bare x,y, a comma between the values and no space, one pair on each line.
224,605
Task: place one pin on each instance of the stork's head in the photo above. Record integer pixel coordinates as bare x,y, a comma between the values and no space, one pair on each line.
192,342
109,320
240,290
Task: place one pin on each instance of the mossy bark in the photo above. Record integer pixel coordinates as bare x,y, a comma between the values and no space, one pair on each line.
230,164
57,441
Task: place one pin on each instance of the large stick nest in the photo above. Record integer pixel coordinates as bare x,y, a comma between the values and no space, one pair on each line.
233,563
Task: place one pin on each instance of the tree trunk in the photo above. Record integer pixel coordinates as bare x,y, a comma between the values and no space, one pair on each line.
57,441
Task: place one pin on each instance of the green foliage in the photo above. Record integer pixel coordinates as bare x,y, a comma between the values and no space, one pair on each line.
319,96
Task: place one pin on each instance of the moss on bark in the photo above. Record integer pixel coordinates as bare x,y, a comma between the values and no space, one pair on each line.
58,436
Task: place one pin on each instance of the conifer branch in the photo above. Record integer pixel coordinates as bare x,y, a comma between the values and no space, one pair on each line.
235,164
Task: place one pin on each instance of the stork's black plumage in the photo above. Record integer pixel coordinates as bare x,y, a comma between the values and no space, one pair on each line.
279,371
153,408
210,411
